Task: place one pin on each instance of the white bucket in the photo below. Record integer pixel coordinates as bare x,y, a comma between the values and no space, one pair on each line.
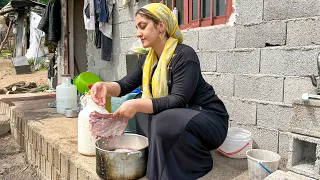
237,143
262,163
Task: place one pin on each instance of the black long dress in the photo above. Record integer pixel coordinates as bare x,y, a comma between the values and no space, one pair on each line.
185,125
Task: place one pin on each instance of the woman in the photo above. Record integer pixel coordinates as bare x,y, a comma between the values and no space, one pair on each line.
178,111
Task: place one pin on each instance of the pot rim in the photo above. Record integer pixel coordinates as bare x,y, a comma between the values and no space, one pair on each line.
127,134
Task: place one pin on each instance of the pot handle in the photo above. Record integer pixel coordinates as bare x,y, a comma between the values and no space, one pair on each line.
139,153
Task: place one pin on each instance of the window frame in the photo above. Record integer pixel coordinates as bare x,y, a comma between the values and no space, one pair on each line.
188,22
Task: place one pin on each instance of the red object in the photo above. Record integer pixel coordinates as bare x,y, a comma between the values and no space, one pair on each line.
188,22
90,86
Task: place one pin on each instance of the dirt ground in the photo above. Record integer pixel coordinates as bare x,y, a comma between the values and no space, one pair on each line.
13,165
9,76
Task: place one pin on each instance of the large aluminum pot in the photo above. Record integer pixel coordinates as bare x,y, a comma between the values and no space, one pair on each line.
122,165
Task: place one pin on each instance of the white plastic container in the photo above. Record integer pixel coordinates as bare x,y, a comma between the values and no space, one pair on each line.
66,95
237,143
86,143
261,163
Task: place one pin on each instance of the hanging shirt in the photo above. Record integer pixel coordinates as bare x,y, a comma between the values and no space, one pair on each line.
88,15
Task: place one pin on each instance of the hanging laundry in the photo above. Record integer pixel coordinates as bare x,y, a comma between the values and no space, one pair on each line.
50,23
103,31
88,15
101,10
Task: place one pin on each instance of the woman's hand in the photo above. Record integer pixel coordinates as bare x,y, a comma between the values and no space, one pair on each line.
99,93
127,110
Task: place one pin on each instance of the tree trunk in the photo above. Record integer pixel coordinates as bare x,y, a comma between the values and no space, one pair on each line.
7,35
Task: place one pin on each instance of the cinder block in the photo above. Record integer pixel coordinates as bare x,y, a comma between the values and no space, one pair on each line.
240,111
208,61
73,170
48,171
284,143
125,15
56,159
287,9
91,61
126,43
261,35
38,159
249,11
217,38
269,88
303,32
262,138
289,61
222,83
191,38
294,87
82,174
43,163
33,154
237,61
29,152
64,166
302,157
128,29
50,153
273,116
306,118
44,149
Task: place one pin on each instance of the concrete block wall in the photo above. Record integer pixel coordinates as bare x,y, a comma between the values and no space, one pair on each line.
257,65
304,157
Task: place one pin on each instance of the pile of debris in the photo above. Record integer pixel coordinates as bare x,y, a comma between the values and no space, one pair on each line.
21,87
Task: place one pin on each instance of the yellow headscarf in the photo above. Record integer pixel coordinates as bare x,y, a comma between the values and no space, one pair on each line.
159,78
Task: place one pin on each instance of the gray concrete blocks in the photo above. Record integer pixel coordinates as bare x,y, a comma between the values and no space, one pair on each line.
208,61
303,32
191,38
249,11
294,87
217,38
284,143
268,88
306,118
222,83
125,15
289,61
237,61
128,29
288,9
240,111
273,116
262,138
303,158
261,35
4,124
126,44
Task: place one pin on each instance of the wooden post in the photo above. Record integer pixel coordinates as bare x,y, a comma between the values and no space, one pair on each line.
7,35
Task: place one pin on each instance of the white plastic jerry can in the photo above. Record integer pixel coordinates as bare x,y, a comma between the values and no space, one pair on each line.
66,95
86,142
